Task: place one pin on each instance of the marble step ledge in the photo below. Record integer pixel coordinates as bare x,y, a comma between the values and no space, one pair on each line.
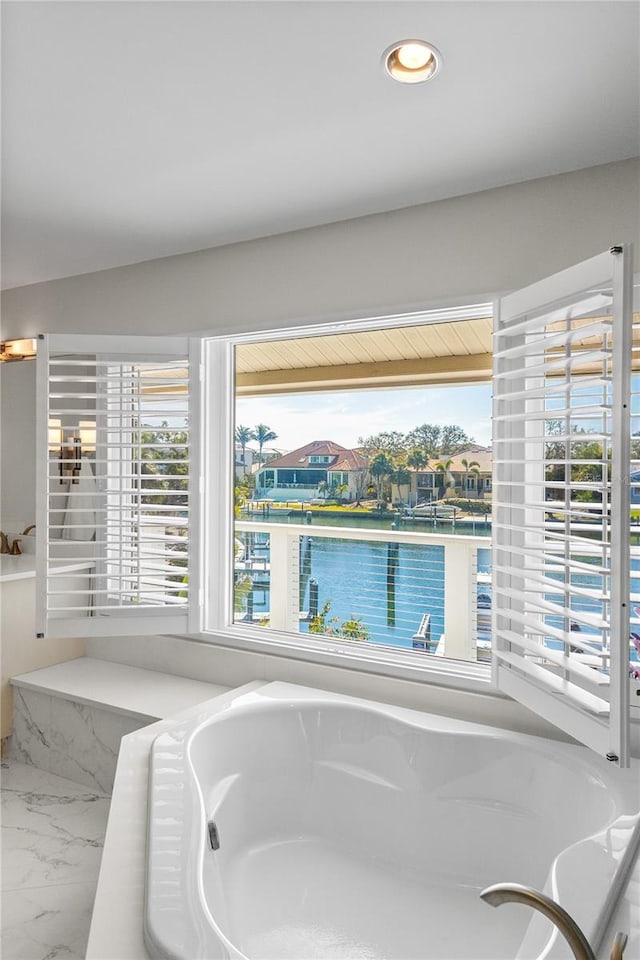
69,719
69,739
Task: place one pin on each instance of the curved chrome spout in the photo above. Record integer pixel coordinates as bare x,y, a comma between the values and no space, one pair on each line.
517,893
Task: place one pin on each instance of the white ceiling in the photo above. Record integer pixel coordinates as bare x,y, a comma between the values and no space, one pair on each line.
134,130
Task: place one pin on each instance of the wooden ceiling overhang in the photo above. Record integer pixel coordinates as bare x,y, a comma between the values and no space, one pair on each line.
437,353
454,352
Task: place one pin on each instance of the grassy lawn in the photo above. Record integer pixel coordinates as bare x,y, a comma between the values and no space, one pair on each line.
335,508
338,508
324,507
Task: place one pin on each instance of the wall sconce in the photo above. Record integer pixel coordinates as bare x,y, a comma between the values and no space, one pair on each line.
17,350
83,440
55,434
87,432
70,460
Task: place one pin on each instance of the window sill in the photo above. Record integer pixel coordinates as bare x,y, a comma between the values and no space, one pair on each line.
468,677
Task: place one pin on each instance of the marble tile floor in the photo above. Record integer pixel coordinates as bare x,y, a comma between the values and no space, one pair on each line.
52,836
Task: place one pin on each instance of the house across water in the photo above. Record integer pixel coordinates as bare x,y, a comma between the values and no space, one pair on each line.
318,469
323,469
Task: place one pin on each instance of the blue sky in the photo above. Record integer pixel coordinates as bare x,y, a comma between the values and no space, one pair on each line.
343,416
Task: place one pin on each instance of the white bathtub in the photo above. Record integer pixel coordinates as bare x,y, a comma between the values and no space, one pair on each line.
350,829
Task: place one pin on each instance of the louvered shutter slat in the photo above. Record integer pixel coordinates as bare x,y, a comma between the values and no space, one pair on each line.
120,533
561,500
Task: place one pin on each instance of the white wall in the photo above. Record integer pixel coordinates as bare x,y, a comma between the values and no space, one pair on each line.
459,250
462,249
17,470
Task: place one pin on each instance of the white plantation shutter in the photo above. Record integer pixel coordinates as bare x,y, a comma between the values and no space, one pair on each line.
562,366
118,485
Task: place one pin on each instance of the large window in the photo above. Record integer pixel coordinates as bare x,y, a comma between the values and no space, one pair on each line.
386,549
371,544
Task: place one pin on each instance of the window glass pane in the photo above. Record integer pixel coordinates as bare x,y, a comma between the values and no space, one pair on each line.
371,522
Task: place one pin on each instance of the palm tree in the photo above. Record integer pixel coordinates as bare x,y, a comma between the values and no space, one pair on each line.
243,436
380,468
416,460
262,434
445,470
341,489
469,467
401,476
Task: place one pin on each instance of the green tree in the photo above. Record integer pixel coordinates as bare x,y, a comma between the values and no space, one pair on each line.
243,436
576,447
401,476
470,467
416,459
164,456
391,442
444,469
427,438
360,479
454,439
164,469
241,495
263,434
351,629
438,440
381,468
341,489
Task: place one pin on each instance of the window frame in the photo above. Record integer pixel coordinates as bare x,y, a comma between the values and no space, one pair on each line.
217,484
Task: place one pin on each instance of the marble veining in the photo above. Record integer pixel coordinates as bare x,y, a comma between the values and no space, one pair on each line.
47,923
31,728
85,742
52,837
72,740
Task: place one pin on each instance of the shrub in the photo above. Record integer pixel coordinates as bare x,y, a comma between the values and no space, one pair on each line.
352,629
481,507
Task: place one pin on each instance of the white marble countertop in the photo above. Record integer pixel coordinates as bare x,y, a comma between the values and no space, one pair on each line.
23,567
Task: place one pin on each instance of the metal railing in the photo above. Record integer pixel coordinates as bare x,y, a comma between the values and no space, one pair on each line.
395,579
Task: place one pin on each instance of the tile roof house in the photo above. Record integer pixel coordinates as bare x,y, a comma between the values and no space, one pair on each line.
428,482
303,473
473,478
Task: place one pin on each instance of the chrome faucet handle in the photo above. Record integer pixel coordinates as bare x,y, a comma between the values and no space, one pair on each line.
517,893
618,945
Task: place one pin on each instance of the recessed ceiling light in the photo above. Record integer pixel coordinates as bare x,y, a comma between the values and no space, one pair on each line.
412,61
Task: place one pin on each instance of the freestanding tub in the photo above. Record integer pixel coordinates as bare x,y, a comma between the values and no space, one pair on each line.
295,823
